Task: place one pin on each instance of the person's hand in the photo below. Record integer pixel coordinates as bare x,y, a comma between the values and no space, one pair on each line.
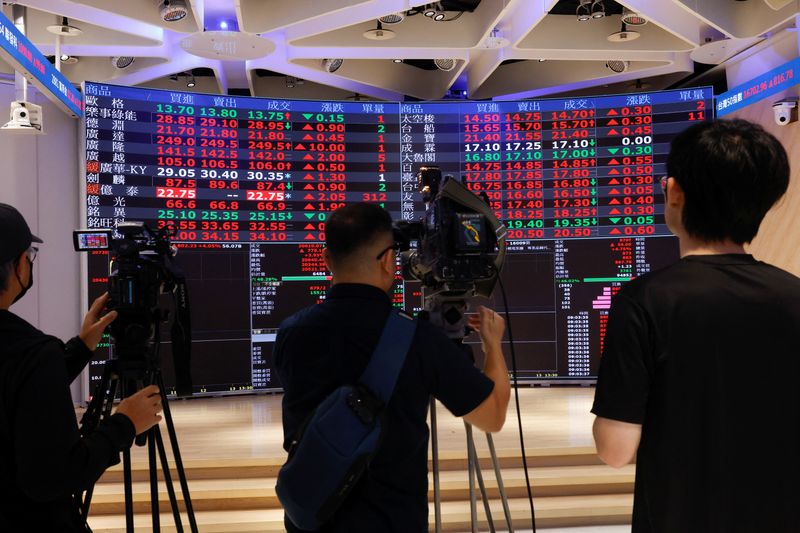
142,408
94,323
489,325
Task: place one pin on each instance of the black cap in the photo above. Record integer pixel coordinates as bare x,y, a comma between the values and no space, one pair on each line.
15,235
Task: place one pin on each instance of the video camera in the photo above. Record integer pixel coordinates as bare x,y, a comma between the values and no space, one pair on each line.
142,268
461,248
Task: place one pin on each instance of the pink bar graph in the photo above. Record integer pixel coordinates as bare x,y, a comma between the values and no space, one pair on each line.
604,300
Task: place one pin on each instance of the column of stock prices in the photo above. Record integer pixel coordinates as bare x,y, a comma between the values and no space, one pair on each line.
248,183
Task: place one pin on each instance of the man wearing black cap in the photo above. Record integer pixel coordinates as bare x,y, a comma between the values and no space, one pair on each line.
44,462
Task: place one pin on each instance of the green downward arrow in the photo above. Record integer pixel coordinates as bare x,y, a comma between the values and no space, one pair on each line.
308,116
594,201
594,192
613,151
593,182
289,186
592,142
309,216
614,220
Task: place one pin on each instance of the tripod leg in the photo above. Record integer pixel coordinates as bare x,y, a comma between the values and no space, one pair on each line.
484,496
99,408
437,497
176,453
499,476
155,509
173,500
126,467
473,503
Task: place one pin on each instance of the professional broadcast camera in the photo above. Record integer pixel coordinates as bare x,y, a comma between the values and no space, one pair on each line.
461,248
142,269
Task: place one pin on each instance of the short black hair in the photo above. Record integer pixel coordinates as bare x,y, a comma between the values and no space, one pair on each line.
354,226
5,273
732,172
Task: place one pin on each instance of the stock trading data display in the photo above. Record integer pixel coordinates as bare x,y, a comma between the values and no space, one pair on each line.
248,183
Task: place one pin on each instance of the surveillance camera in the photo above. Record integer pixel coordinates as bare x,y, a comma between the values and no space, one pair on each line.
25,118
785,111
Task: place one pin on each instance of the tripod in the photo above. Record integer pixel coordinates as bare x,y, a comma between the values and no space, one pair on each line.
127,374
448,312
474,471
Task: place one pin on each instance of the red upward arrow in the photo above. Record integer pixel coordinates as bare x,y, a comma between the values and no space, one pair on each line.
309,226
613,201
308,187
299,146
310,237
614,211
613,132
308,207
308,137
308,177
614,181
308,157
615,231
308,197
308,167
612,122
613,191
307,127
613,172
612,112
613,162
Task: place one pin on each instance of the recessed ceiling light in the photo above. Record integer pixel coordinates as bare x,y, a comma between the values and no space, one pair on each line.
190,81
64,57
173,10
542,60
397,60
332,65
121,62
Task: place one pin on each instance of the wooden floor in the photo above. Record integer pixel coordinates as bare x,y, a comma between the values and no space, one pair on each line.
231,449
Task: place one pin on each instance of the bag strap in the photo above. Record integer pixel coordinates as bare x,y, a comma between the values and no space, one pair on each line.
384,367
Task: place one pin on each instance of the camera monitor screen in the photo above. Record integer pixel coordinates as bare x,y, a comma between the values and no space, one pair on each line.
248,184
91,240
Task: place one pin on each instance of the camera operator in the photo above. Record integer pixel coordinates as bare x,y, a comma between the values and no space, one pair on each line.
44,462
329,345
699,372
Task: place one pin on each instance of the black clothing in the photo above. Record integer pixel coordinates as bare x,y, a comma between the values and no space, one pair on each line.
43,459
329,345
705,354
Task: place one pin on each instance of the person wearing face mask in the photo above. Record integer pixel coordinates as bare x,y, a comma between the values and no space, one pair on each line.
45,464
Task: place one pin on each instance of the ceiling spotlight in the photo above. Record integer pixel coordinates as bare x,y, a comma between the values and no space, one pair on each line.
584,11
397,60
617,65
331,65
445,64
190,81
121,62
598,9
542,60
438,17
632,18
173,10
65,29
67,59
64,57
223,25
379,34
394,18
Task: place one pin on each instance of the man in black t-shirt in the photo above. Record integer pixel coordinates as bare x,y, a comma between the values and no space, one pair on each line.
45,464
328,345
699,373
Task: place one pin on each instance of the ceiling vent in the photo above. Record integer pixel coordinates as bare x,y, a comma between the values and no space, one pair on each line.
173,10
121,62
617,65
394,18
445,64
